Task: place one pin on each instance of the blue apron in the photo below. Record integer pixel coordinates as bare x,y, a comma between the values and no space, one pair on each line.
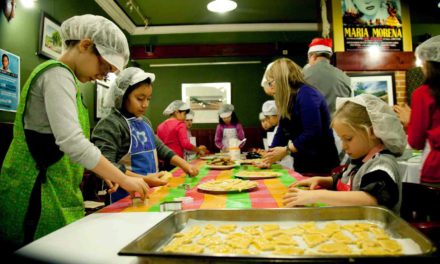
142,155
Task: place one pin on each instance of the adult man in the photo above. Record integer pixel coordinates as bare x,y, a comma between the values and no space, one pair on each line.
329,80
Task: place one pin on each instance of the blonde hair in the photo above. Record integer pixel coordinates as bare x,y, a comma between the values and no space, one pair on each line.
354,116
288,78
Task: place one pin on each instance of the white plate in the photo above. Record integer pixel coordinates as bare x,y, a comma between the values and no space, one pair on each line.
256,175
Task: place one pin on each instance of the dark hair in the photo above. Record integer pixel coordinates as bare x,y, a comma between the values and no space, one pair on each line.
71,43
131,88
432,79
234,119
321,54
5,56
186,111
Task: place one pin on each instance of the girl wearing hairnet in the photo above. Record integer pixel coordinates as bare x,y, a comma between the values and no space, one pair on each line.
173,132
229,127
125,136
43,168
372,136
304,127
424,120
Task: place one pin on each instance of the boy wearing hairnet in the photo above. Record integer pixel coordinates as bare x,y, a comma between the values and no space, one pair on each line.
372,136
126,136
43,168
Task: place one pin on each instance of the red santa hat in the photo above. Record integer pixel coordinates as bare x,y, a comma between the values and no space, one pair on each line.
320,45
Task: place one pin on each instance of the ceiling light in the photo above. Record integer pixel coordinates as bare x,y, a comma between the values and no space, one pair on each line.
28,3
222,6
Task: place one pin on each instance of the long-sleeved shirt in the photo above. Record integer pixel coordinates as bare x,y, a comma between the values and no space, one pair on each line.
425,124
219,133
309,129
173,134
112,136
329,80
51,109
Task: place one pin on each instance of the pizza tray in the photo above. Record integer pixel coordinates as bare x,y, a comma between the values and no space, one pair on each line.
256,175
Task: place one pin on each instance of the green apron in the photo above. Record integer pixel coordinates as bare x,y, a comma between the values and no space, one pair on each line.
61,198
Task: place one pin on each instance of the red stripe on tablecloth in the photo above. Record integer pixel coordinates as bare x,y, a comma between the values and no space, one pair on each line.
262,198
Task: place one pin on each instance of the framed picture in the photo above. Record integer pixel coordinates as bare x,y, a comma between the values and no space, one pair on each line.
101,91
205,99
50,39
378,84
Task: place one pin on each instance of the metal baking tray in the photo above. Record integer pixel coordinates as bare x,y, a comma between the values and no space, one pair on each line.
147,246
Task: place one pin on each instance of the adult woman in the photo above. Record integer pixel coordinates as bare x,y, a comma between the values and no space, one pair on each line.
43,168
304,127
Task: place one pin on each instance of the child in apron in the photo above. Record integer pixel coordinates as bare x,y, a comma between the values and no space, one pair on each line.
190,155
126,137
228,128
372,136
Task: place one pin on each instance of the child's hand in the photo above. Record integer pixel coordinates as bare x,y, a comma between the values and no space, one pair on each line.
295,197
192,171
153,179
112,187
310,182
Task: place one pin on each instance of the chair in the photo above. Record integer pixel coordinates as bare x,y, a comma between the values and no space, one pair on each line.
421,208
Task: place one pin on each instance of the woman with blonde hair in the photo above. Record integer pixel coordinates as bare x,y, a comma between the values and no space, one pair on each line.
304,127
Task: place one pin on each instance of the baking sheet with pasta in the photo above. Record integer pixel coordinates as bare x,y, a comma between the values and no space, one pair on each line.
276,238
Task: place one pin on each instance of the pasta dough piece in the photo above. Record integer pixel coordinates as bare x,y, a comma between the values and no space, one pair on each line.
334,248
313,240
227,228
390,245
291,250
270,227
341,238
293,231
263,244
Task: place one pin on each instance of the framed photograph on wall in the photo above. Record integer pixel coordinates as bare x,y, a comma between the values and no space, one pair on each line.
101,91
378,84
205,99
50,44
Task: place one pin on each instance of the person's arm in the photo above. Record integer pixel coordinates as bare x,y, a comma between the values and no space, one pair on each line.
185,166
108,136
419,121
59,93
219,137
163,151
310,119
183,138
279,139
107,171
297,197
240,132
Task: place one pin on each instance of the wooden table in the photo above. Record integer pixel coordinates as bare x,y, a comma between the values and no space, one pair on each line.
268,195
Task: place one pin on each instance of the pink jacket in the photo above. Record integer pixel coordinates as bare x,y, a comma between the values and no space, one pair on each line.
173,134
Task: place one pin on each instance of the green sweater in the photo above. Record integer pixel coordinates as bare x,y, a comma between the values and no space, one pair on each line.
112,136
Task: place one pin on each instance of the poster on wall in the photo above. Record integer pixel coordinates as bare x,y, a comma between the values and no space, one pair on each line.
9,81
372,23
205,99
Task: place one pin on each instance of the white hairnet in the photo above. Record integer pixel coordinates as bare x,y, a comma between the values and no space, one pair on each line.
175,105
269,108
261,116
386,124
109,40
264,80
429,50
190,115
119,86
226,110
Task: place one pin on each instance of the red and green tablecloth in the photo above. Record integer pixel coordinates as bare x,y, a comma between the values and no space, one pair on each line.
268,195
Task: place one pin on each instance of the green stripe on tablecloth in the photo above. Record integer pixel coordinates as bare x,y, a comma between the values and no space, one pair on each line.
238,200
